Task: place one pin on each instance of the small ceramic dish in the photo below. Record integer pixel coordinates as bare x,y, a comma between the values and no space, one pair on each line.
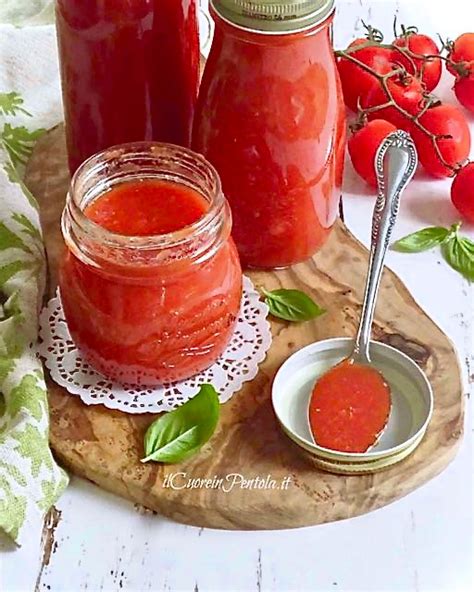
412,404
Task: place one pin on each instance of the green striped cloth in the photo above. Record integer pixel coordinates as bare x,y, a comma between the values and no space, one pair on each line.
26,12
30,479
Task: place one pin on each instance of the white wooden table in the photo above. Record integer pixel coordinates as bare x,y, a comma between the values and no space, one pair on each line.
421,543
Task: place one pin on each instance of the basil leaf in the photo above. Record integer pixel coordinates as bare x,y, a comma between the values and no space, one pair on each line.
422,240
459,253
179,434
292,305
467,244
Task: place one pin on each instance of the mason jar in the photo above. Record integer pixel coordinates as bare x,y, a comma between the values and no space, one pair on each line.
150,309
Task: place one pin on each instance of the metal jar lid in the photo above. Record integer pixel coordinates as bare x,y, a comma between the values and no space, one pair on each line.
274,16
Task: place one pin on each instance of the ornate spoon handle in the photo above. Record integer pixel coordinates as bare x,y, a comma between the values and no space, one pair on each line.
395,165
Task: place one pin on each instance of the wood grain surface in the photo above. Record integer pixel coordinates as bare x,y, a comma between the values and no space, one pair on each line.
105,446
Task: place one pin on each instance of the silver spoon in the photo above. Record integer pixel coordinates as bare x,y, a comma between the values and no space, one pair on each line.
395,164
412,396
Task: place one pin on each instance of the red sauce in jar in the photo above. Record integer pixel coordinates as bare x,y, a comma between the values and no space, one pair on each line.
147,207
349,407
145,322
129,70
271,119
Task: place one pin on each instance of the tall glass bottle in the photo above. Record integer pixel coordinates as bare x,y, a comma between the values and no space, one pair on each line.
129,70
271,119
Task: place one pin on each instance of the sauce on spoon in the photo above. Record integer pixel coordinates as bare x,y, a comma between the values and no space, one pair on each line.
349,407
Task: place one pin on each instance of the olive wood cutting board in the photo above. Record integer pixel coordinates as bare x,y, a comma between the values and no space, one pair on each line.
105,446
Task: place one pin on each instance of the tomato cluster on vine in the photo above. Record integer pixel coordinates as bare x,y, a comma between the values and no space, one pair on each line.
390,86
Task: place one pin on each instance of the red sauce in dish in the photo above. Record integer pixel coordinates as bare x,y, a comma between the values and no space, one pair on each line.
271,119
140,321
129,71
349,408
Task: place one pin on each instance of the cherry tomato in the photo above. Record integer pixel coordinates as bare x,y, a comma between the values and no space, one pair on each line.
443,120
461,54
363,146
464,89
462,192
428,68
355,81
407,92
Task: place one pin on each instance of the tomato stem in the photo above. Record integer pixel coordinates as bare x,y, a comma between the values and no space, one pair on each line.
373,34
455,228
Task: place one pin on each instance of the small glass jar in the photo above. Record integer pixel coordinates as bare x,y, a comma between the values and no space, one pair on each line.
149,310
271,119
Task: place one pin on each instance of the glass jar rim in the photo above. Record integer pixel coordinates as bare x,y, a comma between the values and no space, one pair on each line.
177,238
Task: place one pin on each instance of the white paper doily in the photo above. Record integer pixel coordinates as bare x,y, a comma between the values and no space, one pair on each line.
238,364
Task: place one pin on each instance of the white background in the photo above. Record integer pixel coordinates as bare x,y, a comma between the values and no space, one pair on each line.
420,543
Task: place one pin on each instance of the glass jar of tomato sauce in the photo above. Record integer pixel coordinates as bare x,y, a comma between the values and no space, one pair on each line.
271,119
150,281
129,70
